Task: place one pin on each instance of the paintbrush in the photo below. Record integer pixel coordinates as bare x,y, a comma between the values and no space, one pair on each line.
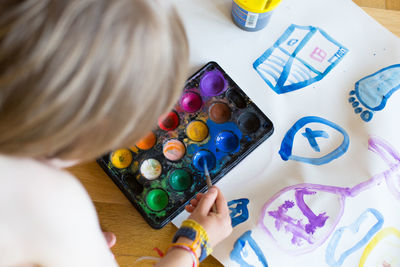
209,183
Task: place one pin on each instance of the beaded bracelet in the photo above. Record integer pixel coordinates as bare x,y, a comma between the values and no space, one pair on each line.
187,248
195,232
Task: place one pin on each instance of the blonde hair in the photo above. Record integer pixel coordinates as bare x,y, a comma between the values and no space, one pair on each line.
79,78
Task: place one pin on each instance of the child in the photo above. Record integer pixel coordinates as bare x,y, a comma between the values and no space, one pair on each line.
79,78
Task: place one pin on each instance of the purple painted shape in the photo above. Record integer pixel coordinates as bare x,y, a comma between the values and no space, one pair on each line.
392,157
281,213
294,226
301,231
314,220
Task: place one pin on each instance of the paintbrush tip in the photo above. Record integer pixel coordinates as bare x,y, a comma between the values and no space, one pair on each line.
206,169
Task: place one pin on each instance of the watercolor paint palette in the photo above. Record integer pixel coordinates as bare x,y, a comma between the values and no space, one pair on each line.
214,123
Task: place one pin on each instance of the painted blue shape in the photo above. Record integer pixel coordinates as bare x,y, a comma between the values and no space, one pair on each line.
354,228
238,210
292,42
287,143
374,90
366,115
240,252
311,137
307,54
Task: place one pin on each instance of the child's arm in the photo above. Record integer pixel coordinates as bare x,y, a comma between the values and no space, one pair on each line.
217,225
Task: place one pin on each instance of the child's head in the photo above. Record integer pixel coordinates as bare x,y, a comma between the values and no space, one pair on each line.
79,78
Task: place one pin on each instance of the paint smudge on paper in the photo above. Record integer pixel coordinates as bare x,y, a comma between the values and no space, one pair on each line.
238,211
373,91
353,229
302,56
247,253
312,135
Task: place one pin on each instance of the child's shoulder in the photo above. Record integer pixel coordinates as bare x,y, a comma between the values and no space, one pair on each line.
32,178
37,190
39,204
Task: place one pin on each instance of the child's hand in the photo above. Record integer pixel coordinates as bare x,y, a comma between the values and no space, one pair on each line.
111,239
218,225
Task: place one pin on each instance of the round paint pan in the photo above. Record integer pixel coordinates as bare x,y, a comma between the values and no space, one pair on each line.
191,102
249,122
219,112
203,156
151,169
180,180
227,141
213,83
235,97
147,142
121,158
169,121
197,131
157,199
174,150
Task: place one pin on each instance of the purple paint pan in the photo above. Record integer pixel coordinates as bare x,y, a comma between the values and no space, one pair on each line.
213,83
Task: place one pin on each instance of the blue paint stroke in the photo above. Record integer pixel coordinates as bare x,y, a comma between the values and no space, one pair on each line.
287,142
239,252
354,228
374,90
238,210
299,69
312,135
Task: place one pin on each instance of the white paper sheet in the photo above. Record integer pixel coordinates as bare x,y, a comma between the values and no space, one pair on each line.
348,212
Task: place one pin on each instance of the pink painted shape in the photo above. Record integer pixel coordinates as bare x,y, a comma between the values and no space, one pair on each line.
318,54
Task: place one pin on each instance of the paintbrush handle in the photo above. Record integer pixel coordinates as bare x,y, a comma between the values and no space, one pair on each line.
208,181
209,184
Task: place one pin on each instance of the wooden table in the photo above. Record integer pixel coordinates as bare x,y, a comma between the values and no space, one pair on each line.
116,214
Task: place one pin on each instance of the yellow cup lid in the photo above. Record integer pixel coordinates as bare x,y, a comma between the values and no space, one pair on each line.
258,6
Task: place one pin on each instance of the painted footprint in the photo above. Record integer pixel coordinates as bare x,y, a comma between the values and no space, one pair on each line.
372,92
